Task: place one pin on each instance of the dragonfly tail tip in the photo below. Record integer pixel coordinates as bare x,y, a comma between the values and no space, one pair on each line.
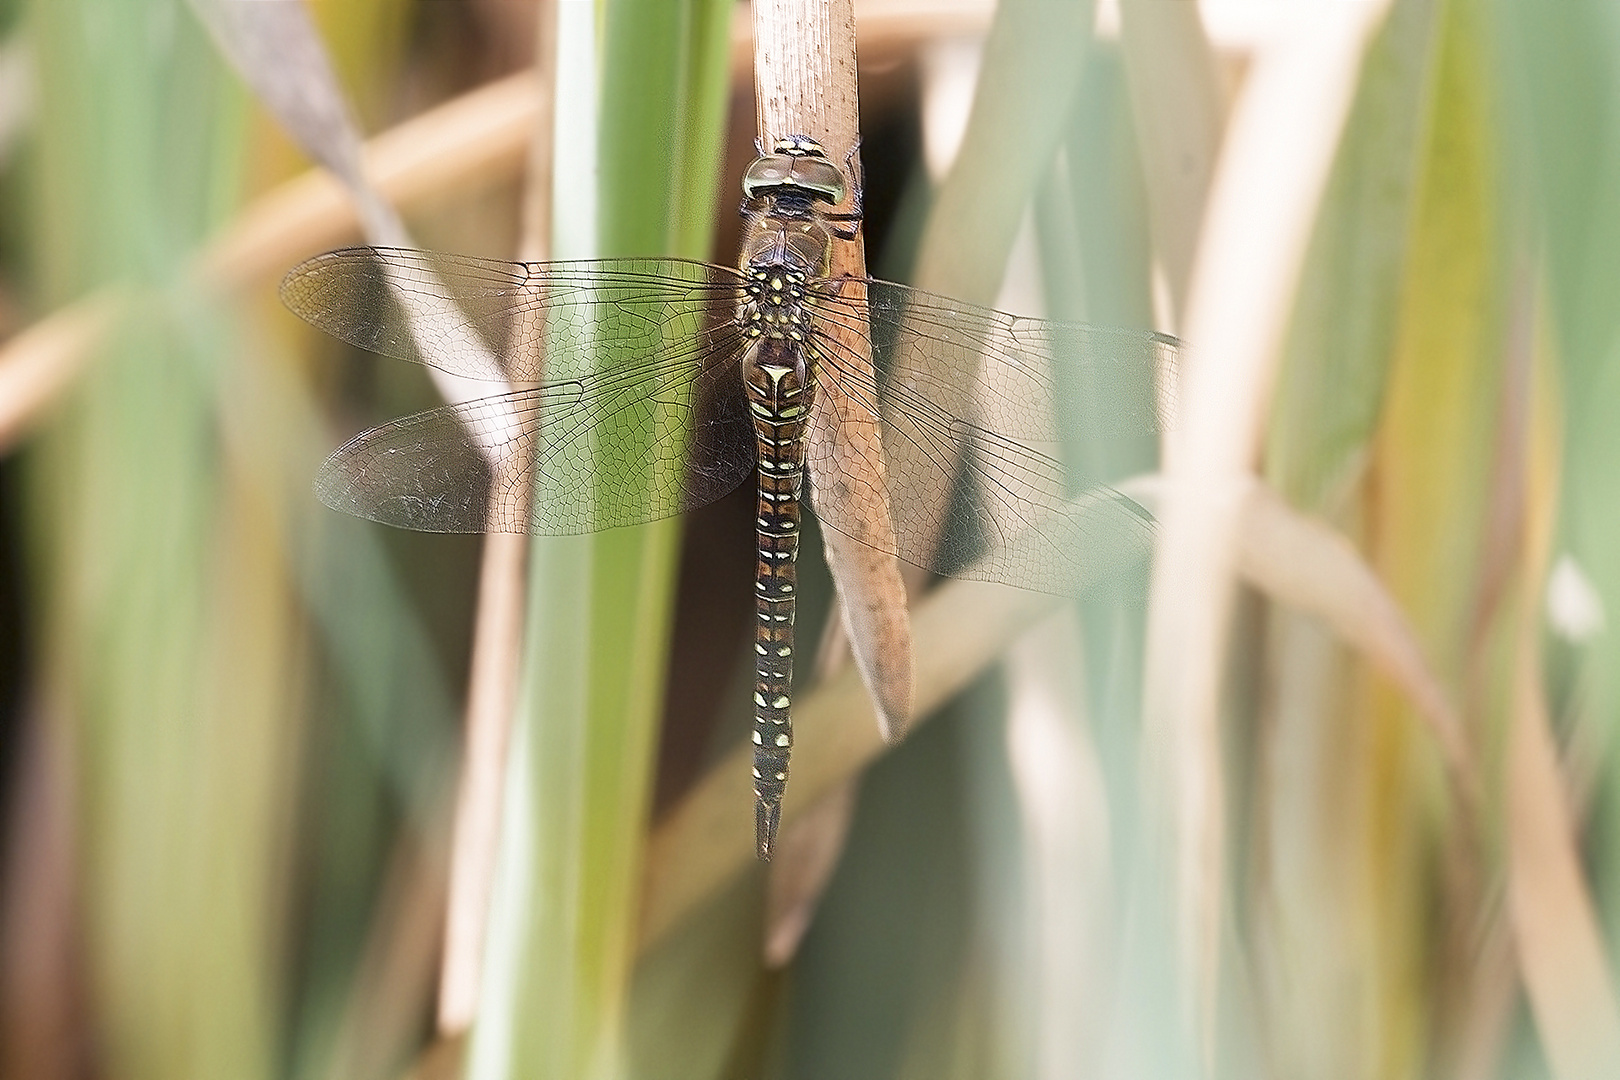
767,817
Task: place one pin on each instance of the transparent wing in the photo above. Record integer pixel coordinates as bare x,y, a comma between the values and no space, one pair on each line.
1026,379
617,449
975,409
641,413
551,321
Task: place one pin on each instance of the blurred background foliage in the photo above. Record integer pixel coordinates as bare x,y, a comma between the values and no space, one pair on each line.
230,721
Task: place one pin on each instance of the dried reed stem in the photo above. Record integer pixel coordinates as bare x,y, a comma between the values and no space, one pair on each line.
497,640
1268,183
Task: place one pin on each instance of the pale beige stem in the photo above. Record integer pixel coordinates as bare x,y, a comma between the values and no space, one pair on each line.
1268,182
491,696
1179,104
497,642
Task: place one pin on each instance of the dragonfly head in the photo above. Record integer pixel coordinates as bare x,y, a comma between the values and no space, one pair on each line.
798,146
798,164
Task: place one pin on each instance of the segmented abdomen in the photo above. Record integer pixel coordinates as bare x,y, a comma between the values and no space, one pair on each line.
779,393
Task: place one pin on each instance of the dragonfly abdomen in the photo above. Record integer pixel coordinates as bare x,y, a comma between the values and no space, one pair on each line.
779,393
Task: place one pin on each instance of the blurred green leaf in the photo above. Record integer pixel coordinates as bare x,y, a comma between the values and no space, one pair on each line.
1338,350
169,627
563,927
1430,537
1562,88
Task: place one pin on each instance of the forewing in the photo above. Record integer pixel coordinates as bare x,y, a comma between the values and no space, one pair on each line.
550,321
974,407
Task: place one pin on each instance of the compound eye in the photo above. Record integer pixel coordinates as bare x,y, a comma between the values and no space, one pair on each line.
821,178
770,171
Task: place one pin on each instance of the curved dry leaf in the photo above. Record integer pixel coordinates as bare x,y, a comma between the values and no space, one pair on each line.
1304,562
39,363
497,648
1562,955
277,51
1307,564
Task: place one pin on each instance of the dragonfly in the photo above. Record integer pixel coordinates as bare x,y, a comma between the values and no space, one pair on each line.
640,388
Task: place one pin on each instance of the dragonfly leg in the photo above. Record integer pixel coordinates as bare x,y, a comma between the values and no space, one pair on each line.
847,223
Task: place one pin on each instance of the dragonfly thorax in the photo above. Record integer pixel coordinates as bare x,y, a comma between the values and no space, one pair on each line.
774,304
802,245
790,191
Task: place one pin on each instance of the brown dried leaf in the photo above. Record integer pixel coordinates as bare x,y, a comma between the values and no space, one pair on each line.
277,51
804,75
804,72
872,597
497,641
